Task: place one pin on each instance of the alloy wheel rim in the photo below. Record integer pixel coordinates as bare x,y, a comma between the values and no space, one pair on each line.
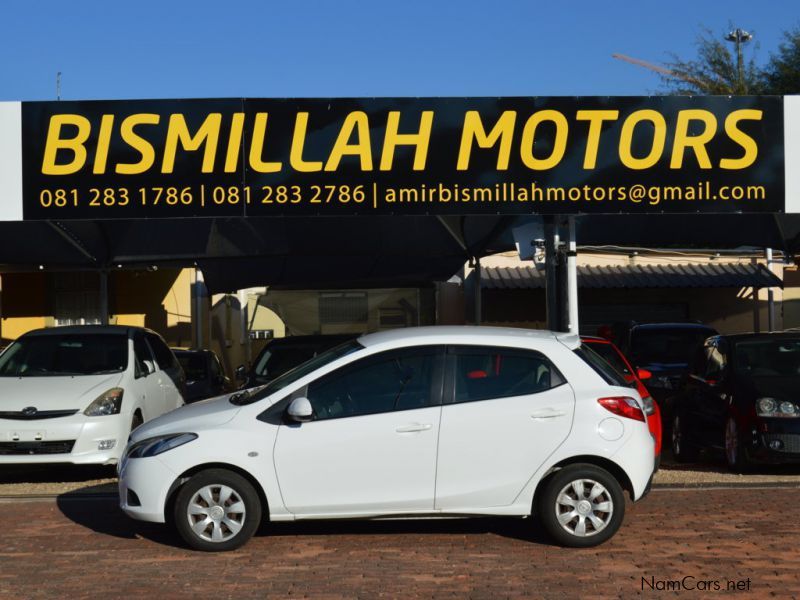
216,513
584,507
731,442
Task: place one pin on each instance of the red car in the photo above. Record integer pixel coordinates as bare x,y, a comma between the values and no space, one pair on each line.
617,359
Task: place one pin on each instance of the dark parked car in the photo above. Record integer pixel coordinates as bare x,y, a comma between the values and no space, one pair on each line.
743,396
205,377
665,349
283,354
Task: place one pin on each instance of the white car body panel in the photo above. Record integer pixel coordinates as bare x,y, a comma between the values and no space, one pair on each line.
361,466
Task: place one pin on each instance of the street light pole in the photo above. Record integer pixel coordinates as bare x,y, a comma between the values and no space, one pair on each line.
739,37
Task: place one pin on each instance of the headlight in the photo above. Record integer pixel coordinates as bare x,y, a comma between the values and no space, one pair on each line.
108,403
769,407
158,445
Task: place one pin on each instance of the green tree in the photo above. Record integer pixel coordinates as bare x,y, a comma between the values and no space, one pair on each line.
782,73
716,70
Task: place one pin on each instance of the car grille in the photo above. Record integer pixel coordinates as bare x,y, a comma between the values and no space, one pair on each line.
42,414
791,441
32,448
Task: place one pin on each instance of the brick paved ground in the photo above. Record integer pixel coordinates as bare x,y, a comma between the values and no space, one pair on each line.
73,548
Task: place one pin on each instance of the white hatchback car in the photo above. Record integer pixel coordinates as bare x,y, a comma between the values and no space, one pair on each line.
73,394
433,421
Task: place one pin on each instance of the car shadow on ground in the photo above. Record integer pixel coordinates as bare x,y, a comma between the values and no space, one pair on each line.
102,514
55,473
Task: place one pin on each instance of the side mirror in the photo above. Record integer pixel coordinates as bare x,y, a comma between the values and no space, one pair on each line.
240,373
643,374
300,410
149,367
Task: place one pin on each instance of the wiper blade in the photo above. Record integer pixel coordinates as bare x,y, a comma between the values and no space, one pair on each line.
240,398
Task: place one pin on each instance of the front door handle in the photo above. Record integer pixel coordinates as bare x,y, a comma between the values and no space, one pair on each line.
547,413
414,427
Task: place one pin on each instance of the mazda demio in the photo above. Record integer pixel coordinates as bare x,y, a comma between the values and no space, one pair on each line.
432,421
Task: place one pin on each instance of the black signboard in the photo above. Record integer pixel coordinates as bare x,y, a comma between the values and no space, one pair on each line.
263,157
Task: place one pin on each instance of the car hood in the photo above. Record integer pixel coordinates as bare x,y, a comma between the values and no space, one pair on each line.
54,393
780,388
659,368
199,415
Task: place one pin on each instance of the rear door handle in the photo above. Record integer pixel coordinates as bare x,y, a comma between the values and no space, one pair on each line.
547,413
414,427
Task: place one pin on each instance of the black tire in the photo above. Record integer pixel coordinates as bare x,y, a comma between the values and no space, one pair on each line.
214,481
551,505
682,450
736,454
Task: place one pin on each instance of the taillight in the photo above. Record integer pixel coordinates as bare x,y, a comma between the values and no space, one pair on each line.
649,405
623,406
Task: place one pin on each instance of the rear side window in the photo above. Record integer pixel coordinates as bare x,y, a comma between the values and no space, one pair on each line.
164,356
482,373
600,366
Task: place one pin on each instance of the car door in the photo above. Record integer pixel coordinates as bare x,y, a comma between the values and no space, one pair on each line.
148,390
169,375
505,412
712,406
371,446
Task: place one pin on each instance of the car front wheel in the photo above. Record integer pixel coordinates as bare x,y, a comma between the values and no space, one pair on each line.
582,506
217,510
735,453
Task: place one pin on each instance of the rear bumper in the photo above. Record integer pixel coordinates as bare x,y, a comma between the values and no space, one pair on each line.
637,459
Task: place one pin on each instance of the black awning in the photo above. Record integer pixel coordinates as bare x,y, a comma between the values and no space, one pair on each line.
712,275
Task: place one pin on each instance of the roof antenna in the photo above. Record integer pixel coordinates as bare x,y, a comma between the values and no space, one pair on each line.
58,85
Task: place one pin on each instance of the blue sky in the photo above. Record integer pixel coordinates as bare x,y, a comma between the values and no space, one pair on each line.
189,49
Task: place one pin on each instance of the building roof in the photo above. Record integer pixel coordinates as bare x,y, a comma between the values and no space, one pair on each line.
711,275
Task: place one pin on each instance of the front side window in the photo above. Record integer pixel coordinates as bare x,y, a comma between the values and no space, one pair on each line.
390,381
163,354
69,354
484,373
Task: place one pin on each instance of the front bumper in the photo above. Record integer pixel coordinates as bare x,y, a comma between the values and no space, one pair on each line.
775,441
69,440
150,481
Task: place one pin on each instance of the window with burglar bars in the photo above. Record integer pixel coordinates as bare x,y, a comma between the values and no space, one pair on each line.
343,307
76,298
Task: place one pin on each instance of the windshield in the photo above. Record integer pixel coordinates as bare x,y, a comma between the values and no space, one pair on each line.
298,372
666,345
277,359
194,365
769,358
66,355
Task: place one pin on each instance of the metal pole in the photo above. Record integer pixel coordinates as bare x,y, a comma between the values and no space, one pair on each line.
572,277
770,296
198,293
551,274
103,297
477,291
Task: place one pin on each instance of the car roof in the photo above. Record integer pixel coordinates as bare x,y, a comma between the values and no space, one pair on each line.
466,334
593,339
86,330
698,326
775,335
312,339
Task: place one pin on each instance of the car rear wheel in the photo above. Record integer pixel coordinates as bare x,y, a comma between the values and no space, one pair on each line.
582,506
681,448
735,453
217,510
